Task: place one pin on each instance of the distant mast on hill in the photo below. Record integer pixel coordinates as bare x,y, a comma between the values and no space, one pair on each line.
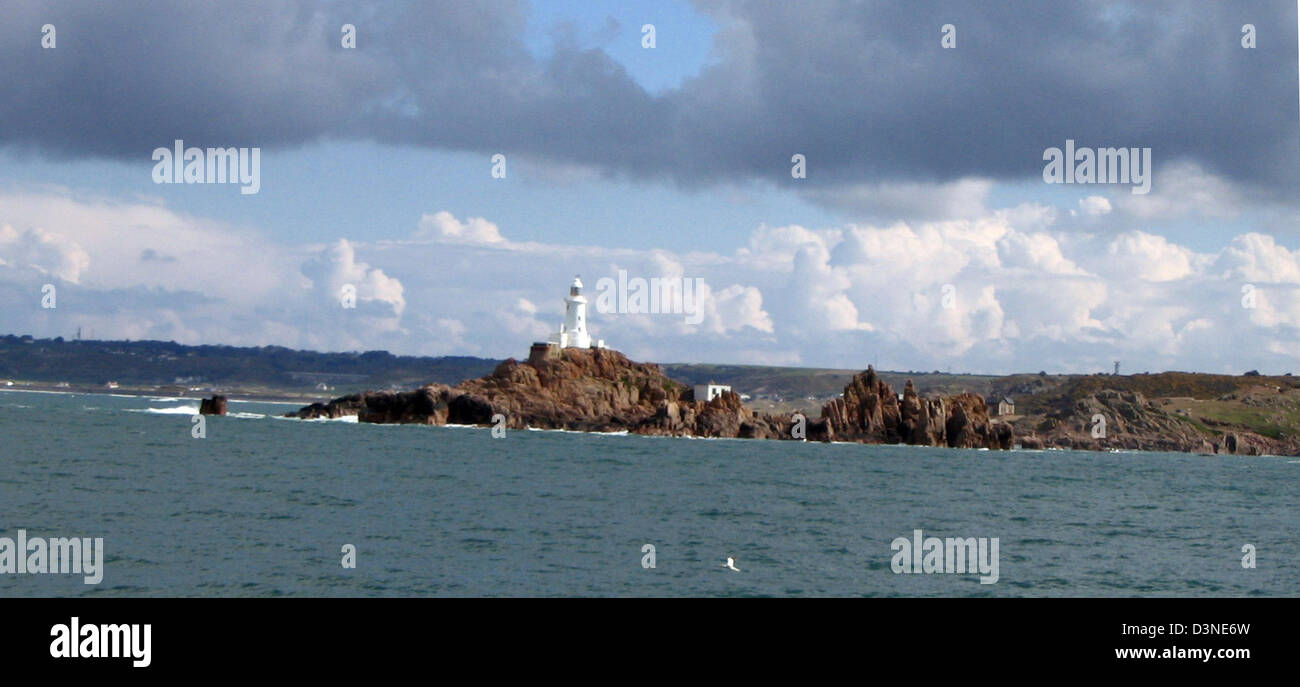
573,331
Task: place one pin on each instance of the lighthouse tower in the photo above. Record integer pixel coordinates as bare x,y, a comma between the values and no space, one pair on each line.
573,333
575,318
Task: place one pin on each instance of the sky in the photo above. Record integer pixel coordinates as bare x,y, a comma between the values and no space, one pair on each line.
916,231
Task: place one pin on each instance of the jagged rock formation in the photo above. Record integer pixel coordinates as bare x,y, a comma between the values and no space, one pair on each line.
870,412
724,416
601,390
924,420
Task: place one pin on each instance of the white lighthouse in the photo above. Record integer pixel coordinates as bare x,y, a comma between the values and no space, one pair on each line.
573,333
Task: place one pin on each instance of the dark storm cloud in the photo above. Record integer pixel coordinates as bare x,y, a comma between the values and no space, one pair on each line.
867,91
864,90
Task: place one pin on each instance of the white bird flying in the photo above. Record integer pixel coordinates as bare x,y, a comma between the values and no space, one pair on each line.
731,564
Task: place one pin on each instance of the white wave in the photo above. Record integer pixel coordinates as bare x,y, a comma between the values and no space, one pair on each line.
621,433
345,418
247,416
175,410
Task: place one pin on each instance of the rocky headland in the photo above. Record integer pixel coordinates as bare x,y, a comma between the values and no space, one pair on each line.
601,390
1111,419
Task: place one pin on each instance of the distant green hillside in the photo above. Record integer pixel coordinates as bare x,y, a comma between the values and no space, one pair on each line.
157,363
161,363
768,382
1192,385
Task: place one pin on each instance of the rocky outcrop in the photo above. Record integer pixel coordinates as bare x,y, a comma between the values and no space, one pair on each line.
434,404
1112,419
724,416
1251,444
580,389
870,412
213,406
969,426
335,409
923,420
1126,420
601,390
867,412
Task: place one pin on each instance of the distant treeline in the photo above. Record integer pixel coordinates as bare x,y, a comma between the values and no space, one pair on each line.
168,363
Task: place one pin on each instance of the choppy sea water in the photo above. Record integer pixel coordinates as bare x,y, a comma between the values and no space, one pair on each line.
263,505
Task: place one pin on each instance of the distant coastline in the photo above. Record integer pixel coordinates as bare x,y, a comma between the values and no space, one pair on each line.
144,393
148,392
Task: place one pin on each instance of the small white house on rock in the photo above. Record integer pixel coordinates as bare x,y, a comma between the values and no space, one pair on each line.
710,391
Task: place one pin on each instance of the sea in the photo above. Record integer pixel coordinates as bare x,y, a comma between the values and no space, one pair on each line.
263,506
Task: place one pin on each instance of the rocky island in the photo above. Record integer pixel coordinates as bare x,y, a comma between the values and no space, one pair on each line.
601,390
